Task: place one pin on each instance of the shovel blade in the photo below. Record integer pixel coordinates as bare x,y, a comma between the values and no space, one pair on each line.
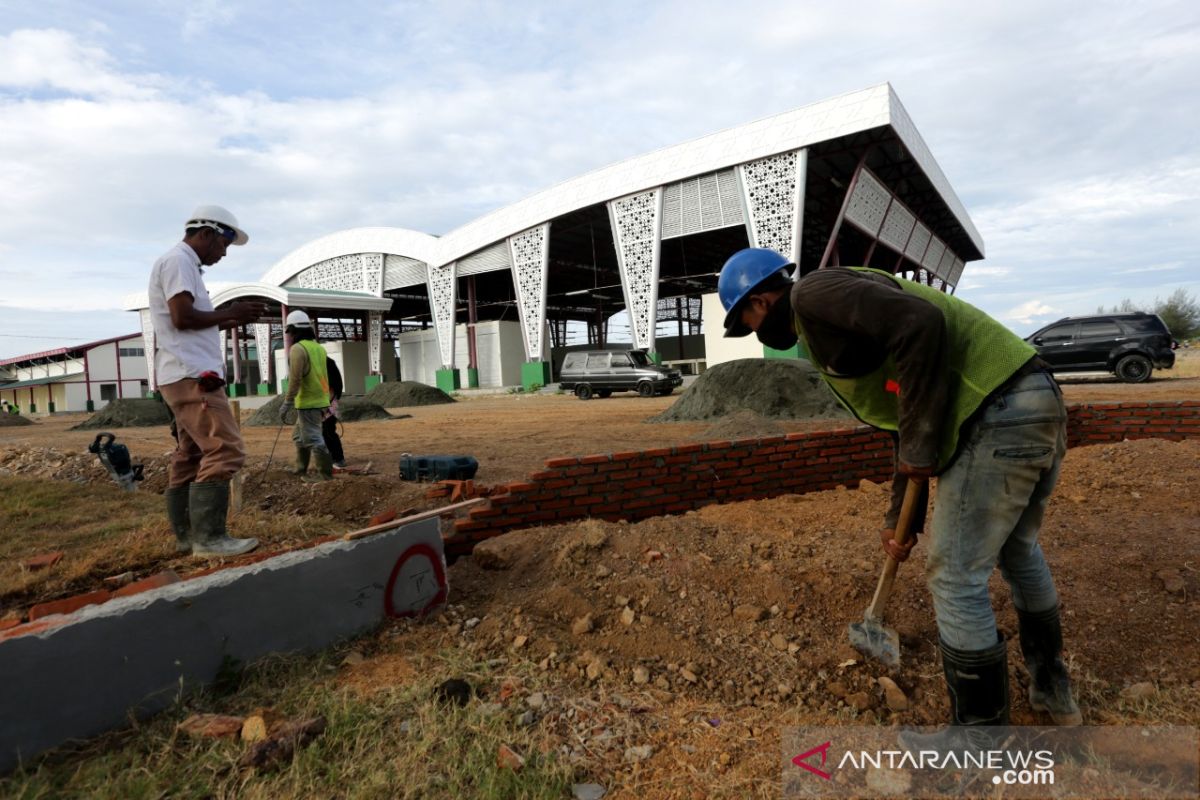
875,640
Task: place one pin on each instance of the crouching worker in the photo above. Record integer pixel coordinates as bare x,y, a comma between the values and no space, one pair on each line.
189,370
972,404
308,394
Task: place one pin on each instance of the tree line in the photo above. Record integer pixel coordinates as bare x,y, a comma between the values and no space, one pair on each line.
1180,311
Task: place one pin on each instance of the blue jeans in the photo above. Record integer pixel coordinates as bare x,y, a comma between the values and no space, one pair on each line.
989,508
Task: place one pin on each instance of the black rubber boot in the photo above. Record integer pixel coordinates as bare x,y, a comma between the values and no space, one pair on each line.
1049,684
324,466
302,457
977,681
208,505
177,514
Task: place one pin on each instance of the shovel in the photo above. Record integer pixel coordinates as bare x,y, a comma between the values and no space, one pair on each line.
871,637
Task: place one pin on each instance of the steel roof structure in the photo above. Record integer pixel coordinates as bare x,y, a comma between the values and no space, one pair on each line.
847,180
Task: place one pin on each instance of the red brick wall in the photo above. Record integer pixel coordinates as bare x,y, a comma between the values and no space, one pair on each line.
673,480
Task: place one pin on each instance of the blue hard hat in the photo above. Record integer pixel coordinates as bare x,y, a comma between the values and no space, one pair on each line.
745,270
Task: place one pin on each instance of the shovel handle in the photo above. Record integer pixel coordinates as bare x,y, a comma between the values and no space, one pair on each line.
908,509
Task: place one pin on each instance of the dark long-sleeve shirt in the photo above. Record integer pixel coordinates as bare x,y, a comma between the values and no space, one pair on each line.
852,321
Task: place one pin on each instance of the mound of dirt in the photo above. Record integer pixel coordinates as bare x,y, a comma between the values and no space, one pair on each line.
13,420
407,393
128,413
350,409
768,387
742,425
353,409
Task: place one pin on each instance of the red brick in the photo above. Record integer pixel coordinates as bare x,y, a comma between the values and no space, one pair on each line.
582,470
43,561
603,458
68,604
521,487
658,452
569,461
546,475
164,578
682,449
626,455
11,622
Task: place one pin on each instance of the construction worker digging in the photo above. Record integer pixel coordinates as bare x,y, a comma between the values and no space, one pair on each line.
308,394
189,370
971,404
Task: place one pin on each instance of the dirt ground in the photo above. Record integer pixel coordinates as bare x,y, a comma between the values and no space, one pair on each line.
701,636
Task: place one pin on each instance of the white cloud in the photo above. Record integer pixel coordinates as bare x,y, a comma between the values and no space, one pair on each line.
1028,312
302,121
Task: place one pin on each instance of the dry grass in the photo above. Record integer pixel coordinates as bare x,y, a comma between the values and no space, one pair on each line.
395,743
103,530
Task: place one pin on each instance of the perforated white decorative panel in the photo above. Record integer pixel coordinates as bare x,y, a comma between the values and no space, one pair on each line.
774,194
918,243
635,224
343,274
148,342
442,286
897,226
262,346
530,256
700,204
868,203
934,254
372,267
374,340
401,272
490,259
224,352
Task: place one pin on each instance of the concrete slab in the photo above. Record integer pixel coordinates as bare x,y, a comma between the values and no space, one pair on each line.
135,655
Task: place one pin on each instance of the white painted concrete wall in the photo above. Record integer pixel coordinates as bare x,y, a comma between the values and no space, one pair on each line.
498,346
718,349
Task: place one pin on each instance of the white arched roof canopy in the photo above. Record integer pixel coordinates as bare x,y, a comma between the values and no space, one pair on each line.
390,241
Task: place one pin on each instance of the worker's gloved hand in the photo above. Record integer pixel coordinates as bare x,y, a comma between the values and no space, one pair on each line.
285,411
900,552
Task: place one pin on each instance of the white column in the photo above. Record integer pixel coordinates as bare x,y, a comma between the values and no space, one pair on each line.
262,344
442,291
636,230
148,344
530,251
374,340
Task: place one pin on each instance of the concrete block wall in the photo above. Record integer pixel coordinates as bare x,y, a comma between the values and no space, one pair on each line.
80,671
636,485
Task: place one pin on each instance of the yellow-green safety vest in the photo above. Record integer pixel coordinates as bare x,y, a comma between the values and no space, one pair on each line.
314,386
980,355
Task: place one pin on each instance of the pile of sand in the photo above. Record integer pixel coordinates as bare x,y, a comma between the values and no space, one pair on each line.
771,388
350,409
407,393
128,413
13,420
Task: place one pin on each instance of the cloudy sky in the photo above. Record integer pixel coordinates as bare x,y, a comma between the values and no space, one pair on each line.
1069,130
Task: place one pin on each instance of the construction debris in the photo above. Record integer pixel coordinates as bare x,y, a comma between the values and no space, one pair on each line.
281,745
213,726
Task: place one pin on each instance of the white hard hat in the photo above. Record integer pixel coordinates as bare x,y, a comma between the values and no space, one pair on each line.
218,219
298,319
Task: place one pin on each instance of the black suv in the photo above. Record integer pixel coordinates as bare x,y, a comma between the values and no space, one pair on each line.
1127,345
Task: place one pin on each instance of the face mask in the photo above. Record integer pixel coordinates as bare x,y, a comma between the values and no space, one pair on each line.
776,328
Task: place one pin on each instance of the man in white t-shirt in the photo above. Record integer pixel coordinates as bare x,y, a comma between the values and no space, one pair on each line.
189,369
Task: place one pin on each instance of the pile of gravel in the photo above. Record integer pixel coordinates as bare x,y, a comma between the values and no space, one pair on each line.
128,413
768,387
407,393
13,420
